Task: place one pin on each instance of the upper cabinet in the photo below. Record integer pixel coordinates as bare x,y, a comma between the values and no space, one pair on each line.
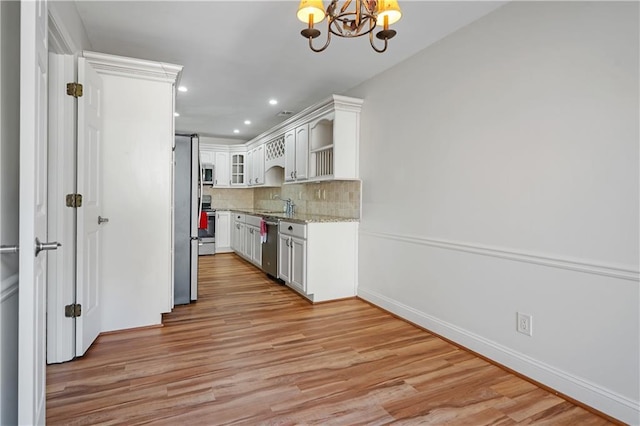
207,157
256,165
296,153
238,169
222,177
321,142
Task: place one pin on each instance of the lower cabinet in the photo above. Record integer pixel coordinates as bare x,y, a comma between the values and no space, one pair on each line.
246,240
292,262
223,232
318,260
237,233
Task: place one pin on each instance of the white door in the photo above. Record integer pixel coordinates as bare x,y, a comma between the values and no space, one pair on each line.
89,219
33,212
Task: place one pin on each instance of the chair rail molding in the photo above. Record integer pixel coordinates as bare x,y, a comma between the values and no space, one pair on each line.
579,265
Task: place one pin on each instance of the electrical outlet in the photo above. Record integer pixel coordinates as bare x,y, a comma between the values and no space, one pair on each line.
524,324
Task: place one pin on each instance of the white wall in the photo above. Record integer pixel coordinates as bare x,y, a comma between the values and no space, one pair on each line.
500,174
9,160
138,141
64,15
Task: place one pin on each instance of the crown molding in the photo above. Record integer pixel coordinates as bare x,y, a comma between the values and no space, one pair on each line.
131,67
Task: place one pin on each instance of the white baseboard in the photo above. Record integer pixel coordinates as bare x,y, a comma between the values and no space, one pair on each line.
604,400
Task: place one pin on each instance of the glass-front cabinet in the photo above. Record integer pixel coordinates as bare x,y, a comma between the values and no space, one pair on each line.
238,169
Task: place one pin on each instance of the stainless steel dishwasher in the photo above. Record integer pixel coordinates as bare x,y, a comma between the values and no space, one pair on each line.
270,248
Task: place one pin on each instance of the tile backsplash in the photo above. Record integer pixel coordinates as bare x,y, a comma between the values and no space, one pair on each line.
230,198
333,198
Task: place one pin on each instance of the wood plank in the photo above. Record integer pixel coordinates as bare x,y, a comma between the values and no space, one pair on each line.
251,351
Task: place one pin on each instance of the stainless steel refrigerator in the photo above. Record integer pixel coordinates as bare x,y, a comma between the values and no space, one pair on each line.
187,192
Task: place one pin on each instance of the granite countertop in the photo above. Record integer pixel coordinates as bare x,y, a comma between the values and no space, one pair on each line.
296,217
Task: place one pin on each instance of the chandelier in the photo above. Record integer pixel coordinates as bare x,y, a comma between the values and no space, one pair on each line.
354,19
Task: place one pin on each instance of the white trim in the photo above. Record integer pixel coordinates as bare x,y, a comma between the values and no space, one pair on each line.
131,67
8,287
578,265
587,392
60,41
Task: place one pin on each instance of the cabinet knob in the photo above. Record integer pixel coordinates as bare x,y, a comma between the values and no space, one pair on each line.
290,228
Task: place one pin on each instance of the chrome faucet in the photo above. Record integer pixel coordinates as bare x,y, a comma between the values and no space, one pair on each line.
289,207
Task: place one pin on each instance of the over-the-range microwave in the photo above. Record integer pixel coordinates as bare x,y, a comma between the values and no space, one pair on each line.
207,174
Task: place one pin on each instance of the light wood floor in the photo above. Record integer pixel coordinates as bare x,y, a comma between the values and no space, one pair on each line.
252,352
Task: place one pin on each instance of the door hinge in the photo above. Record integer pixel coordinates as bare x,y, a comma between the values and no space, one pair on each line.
74,200
73,311
74,89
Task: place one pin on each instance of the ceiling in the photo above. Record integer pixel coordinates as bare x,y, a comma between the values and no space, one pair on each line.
237,55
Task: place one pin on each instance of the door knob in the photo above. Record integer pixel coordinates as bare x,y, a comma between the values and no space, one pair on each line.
8,249
102,220
46,246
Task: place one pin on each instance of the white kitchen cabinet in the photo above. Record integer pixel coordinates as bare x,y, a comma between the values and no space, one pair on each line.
207,156
238,168
258,165
298,263
292,252
246,237
223,232
246,253
311,262
221,162
296,151
253,248
284,258
255,165
238,233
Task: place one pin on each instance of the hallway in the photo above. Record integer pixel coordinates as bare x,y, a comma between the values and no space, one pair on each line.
253,352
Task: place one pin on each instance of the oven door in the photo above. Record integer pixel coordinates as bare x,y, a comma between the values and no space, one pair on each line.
207,237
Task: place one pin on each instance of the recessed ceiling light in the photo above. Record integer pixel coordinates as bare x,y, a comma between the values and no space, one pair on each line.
273,102
182,89
176,114
247,122
236,131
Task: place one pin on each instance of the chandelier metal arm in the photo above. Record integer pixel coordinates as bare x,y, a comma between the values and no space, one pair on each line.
384,48
323,47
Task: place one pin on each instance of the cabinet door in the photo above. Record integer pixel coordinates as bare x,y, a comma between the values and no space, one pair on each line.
223,231
284,258
237,169
298,263
256,246
289,155
237,237
248,241
258,165
249,168
234,236
222,169
302,152
206,156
